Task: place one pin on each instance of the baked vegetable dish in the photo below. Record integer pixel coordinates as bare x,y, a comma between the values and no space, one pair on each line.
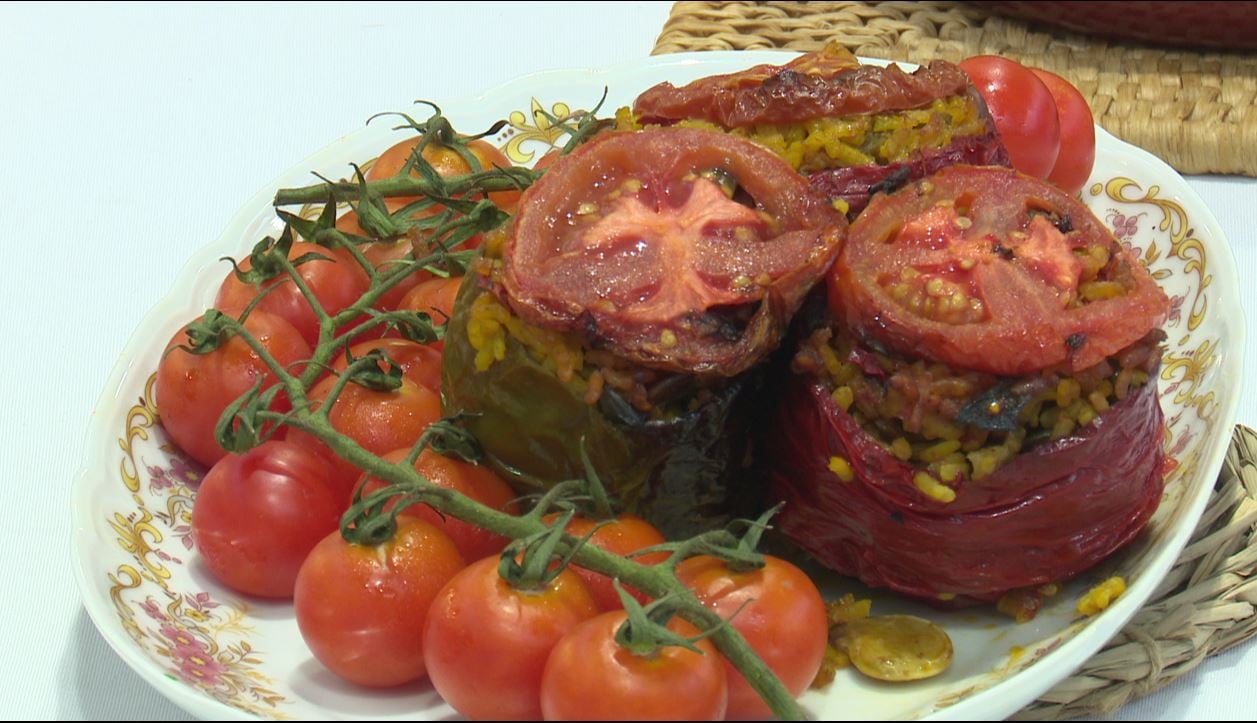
974,413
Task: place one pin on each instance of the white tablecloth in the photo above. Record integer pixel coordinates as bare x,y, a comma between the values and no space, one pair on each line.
132,133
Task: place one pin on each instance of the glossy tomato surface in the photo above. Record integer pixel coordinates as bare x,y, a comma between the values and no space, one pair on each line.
779,612
380,421
984,269
621,535
420,363
588,676
193,390
486,642
335,280
474,481
1023,110
681,249
362,610
258,514
1078,133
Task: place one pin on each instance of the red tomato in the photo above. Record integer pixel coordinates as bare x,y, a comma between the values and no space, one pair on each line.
1078,133
336,281
1023,111
590,677
193,390
447,162
421,363
470,480
486,643
258,514
624,534
379,421
383,255
662,246
988,259
362,610
782,618
434,297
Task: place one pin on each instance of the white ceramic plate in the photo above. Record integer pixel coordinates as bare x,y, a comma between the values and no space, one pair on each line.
220,656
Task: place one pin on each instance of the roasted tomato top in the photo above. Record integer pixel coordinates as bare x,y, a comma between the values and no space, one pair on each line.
678,249
991,270
830,82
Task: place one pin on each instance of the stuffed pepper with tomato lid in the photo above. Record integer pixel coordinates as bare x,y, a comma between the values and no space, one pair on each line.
978,412
852,129
627,307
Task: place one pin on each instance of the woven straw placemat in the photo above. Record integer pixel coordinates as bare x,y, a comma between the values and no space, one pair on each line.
1196,110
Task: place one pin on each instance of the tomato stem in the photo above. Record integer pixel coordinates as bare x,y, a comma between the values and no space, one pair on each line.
372,518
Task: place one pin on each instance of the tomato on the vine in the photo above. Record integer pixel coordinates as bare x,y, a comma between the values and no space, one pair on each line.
989,260
380,421
779,612
1023,111
589,676
258,514
434,297
1078,133
193,390
421,363
383,257
486,642
471,480
362,610
447,162
620,536
335,280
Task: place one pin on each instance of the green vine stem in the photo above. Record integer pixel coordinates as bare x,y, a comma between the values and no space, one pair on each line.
406,485
497,179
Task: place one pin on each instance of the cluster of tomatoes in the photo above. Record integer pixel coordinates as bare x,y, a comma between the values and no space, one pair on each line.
430,602
1042,119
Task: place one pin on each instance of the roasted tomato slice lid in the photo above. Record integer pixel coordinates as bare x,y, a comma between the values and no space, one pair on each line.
676,248
987,269
824,84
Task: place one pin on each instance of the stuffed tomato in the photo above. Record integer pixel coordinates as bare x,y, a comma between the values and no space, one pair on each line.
628,307
976,410
852,129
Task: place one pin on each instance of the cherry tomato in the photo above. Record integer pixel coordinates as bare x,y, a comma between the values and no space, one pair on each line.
474,481
1023,111
621,536
662,246
258,514
336,281
782,617
1078,133
383,256
486,643
380,421
193,390
362,610
434,297
590,677
421,363
447,162
989,259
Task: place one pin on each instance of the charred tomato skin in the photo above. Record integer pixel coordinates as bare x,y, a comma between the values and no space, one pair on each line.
629,243
1046,516
1010,244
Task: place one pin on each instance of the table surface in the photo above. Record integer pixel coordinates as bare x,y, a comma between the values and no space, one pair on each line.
131,135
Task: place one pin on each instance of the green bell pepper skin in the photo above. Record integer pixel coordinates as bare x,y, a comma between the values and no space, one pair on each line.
684,473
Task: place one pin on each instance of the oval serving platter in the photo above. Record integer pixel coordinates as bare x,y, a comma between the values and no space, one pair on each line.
218,655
